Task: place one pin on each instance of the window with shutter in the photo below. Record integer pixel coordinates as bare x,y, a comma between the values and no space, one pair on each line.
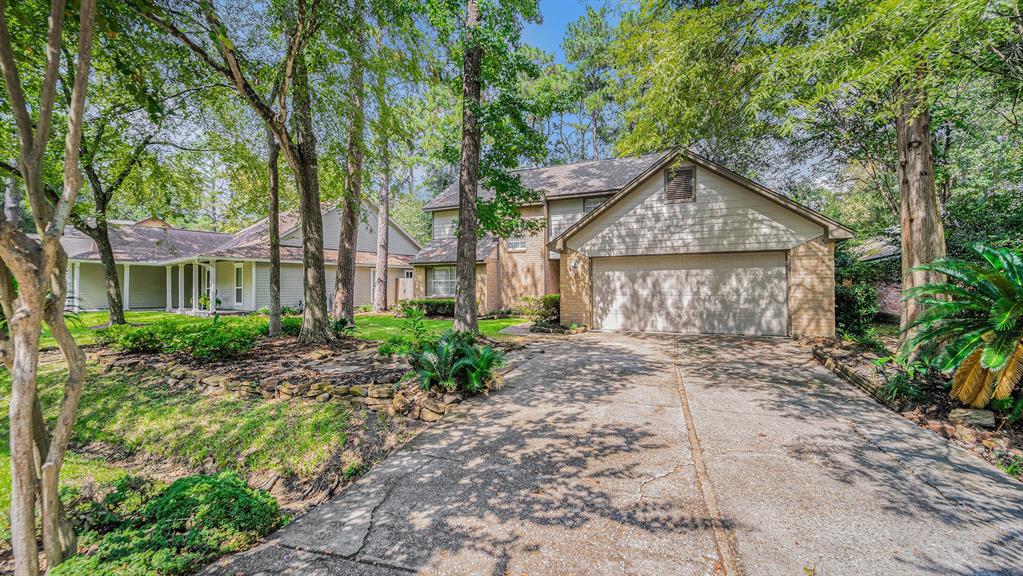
680,185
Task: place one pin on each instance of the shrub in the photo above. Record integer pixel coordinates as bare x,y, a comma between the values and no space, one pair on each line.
193,520
455,362
434,306
218,340
340,326
403,306
291,325
211,339
855,307
545,310
973,323
364,308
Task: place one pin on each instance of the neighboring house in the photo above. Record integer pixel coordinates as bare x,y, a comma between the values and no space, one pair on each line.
882,251
162,267
667,242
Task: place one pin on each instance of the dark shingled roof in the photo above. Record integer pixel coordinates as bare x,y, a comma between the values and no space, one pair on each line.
567,179
443,250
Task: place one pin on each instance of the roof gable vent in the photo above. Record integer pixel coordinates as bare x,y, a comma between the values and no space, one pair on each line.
680,184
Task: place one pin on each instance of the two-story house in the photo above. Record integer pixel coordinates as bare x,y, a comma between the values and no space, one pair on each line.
666,242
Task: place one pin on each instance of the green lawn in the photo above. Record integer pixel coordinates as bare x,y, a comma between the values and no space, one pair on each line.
85,325
139,413
380,326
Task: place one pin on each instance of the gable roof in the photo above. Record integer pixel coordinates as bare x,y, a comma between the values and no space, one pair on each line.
152,241
564,180
833,230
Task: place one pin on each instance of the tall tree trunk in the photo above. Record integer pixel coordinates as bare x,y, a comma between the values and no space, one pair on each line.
923,235
100,234
344,282
314,315
273,176
383,227
468,178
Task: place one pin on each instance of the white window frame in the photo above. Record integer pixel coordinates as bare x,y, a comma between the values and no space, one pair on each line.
517,243
408,274
372,283
447,284
591,204
239,284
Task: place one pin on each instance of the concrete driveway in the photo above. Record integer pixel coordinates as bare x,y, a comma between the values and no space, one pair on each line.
585,463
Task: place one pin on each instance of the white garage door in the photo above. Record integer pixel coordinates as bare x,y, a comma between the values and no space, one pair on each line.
740,293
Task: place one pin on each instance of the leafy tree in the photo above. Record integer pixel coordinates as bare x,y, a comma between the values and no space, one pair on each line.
33,282
496,134
587,47
287,31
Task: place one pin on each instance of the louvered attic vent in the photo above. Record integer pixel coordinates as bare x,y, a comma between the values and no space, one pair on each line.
680,185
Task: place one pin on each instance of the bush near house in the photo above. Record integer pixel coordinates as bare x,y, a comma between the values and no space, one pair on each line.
545,310
454,362
855,308
431,306
138,528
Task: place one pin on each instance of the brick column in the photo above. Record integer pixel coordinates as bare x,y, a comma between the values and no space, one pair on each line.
576,292
811,298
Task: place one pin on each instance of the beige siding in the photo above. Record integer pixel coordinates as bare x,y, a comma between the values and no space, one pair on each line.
443,223
397,243
812,289
291,284
564,213
723,217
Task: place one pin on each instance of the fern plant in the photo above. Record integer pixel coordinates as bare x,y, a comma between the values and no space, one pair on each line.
973,323
455,362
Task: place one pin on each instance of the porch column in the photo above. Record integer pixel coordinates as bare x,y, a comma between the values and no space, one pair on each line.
181,286
253,286
195,285
127,286
78,286
170,295
213,286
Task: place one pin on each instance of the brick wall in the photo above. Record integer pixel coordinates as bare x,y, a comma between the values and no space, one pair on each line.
811,295
576,306
522,271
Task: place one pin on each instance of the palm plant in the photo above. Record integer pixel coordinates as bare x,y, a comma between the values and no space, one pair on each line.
973,323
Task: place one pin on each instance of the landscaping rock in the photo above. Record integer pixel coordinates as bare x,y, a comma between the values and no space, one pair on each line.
400,403
414,412
215,381
317,355
972,417
427,415
451,398
376,403
966,434
270,383
323,397
357,390
433,405
379,391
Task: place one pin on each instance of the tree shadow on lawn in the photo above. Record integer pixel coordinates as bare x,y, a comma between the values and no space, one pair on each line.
582,457
912,472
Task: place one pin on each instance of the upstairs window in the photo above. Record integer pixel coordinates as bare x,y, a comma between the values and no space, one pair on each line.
516,243
590,204
680,185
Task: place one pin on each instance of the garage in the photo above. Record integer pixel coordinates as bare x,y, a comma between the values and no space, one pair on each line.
724,293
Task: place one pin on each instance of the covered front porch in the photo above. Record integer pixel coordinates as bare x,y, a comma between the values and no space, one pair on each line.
197,287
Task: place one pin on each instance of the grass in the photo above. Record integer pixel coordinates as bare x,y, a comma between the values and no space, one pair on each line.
84,325
380,326
137,412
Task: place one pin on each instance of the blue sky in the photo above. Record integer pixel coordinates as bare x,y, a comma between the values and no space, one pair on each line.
557,14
